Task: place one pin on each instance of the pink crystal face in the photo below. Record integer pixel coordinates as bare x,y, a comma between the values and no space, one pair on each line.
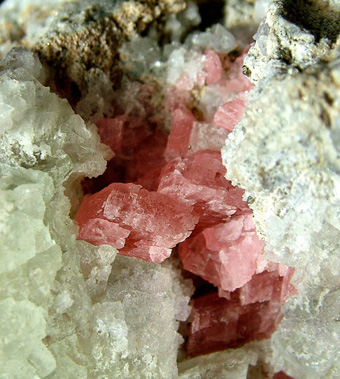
218,323
229,114
199,180
178,142
139,153
226,255
213,67
139,223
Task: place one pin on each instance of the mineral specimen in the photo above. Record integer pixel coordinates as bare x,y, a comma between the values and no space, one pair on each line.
227,255
139,223
113,115
218,323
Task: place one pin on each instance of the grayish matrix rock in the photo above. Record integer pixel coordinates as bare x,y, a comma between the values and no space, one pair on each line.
294,35
285,154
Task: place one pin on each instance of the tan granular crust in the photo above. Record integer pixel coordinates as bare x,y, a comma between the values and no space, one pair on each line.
95,43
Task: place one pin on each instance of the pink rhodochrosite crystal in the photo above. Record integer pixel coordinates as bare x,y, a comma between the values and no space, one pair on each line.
225,255
262,286
111,132
199,180
182,121
151,223
213,67
218,323
164,189
229,114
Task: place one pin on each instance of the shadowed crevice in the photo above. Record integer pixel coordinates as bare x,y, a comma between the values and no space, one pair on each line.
315,16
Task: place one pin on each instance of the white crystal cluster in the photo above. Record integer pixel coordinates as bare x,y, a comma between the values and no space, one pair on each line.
285,154
245,13
64,311
142,55
180,66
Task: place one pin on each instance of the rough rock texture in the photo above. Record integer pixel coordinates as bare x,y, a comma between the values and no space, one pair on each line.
86,35
78,38
23,22
293,180
293,36
285,154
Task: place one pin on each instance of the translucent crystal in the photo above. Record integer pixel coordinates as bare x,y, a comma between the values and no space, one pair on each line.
218,39
139,223
198,181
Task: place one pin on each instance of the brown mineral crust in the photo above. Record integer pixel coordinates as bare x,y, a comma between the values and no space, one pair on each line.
282,375
92,39
11,33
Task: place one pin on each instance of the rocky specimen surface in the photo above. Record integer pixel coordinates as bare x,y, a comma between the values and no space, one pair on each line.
86,36
285,154
293,36
127,249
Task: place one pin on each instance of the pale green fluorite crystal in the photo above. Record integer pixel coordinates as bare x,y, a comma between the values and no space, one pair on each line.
63,312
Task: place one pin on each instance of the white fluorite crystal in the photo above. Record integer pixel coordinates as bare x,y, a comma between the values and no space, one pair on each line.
243,17
177,25
64,311
217,38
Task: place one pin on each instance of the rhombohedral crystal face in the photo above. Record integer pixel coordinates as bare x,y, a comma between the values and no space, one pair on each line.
169,189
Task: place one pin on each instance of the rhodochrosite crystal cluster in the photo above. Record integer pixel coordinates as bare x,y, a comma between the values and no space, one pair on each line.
184,200
169,189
